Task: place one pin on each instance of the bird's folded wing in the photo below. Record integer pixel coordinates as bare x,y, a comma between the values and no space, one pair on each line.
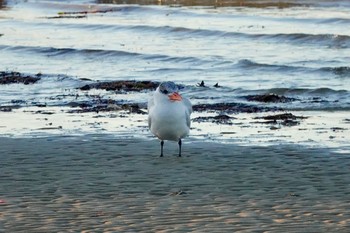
150,102
188,105
149,106
189,111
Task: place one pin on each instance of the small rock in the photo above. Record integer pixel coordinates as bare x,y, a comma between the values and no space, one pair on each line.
177,193
201,84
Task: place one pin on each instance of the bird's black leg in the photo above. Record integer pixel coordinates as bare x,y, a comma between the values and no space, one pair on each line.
180,143
161,148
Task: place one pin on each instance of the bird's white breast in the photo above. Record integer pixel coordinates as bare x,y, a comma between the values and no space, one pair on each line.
169,120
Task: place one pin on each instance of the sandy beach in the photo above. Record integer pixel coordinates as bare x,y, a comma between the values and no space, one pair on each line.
100,183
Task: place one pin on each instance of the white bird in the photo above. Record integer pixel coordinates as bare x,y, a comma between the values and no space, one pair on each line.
169,114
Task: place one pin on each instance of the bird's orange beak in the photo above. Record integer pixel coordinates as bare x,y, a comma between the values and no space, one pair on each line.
175,97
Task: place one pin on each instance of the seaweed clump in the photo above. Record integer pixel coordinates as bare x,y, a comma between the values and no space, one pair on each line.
122,86
16,77
285,119
232,108
219,119
105,105
270,98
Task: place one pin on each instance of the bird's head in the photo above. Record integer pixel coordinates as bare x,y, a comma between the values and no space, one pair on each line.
170,90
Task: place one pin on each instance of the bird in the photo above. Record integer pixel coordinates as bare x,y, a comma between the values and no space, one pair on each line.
169,114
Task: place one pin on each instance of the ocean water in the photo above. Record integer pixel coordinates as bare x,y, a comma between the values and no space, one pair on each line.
300,50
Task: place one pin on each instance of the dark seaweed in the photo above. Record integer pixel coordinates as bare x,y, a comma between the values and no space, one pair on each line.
122,85
269,98
232,108
283,116
16,77
219,119
285,119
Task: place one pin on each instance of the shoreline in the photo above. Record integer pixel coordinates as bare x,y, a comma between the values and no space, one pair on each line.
119,107
315,129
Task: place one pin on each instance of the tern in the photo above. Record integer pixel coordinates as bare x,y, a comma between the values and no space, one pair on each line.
169,114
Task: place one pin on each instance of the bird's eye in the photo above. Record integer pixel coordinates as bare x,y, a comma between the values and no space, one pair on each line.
165,91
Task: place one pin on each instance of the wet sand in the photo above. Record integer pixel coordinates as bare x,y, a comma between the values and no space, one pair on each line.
102,183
